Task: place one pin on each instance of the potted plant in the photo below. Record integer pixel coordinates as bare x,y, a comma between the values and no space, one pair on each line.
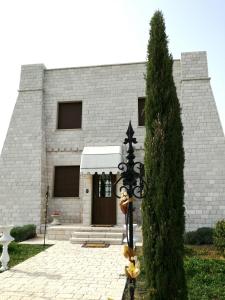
55,215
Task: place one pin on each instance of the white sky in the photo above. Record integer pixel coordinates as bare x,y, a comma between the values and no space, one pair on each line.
70,33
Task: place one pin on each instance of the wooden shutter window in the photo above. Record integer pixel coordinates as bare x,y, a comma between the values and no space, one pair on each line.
69,115
67,179
141,111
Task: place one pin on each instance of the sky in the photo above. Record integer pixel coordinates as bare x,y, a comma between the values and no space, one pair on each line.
71,33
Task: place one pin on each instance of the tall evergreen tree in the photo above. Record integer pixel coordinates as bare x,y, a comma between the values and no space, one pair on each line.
163,205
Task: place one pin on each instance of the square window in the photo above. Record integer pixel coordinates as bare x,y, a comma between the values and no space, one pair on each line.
69,115
141,111
66,183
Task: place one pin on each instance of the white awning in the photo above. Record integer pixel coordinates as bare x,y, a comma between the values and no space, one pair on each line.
101,159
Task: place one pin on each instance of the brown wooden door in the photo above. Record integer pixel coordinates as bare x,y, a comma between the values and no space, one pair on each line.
104,201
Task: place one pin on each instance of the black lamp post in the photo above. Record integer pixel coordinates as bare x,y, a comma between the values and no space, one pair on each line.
46,212
132,174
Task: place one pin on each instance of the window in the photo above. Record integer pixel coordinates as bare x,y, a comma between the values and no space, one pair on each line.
104,186
141,111
69,115
66,182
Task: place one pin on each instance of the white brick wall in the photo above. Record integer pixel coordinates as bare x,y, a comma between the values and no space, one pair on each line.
194,65
71,208
22,160
204,145
109,97
104,92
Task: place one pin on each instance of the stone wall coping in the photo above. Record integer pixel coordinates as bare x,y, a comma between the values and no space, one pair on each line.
191,79
29,90
99,66
96,66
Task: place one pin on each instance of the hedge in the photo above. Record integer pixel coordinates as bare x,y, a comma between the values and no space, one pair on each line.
22,233
201,236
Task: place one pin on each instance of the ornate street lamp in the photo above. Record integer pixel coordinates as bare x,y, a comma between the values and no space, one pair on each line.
132,174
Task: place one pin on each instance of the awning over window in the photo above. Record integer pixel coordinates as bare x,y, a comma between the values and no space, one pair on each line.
101,159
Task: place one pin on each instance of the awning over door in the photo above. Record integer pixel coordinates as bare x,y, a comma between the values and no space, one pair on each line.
101,159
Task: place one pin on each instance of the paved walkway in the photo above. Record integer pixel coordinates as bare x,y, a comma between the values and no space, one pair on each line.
67,271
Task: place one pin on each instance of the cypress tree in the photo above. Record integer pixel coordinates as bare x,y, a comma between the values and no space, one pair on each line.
163,204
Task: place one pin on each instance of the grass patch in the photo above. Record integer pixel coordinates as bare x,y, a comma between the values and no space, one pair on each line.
205,278
204,251
205,274
20,252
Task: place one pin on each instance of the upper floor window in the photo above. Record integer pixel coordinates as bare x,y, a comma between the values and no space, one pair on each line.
141,111
69,115
66,181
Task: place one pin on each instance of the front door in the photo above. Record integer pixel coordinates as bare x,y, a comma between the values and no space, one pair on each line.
104,201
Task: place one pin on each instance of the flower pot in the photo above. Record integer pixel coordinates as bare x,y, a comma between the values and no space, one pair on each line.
55,220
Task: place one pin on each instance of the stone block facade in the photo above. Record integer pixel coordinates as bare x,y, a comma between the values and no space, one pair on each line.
109,96
23,158
204,145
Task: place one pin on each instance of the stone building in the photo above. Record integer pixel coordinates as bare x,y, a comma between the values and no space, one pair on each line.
67,130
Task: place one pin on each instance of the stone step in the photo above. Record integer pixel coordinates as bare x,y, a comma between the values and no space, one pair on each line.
96,234
60,232
81,240
65,231
119,229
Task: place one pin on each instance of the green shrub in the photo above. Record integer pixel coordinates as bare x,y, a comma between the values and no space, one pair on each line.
219,236
190,238
205,278
22,233
202,236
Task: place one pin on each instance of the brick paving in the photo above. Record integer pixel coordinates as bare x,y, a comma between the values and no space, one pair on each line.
67,271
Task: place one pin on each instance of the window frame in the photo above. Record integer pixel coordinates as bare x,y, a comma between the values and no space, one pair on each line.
57,116
54,178
141,98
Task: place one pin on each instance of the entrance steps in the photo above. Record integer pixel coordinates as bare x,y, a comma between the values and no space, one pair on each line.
79,234
61,232
108,235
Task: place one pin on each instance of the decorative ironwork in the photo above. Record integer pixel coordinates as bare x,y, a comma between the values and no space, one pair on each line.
132,177
132,173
